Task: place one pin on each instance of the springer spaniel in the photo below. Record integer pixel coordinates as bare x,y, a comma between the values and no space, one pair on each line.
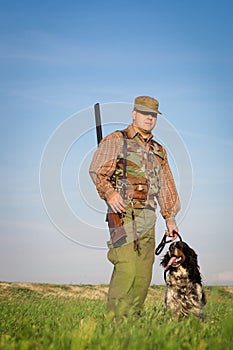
184,292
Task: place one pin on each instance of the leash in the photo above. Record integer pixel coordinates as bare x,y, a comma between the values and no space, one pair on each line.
160,247
164,241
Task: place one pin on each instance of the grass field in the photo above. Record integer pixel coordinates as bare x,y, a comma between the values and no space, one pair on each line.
42,316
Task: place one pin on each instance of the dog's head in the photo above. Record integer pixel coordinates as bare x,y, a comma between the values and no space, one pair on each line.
180,254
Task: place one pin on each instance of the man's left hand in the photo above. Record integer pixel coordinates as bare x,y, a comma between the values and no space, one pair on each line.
172,228
172,234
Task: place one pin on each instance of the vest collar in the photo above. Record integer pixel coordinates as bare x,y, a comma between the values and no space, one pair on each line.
156,148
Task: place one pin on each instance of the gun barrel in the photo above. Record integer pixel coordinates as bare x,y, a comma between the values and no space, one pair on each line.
98,122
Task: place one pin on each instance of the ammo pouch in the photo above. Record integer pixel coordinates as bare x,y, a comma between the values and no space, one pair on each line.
116,229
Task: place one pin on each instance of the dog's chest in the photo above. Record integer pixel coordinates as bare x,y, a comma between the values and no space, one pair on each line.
177,277
180,287
178,282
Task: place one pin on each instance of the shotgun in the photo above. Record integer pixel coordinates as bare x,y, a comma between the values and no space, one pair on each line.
98,123
115,220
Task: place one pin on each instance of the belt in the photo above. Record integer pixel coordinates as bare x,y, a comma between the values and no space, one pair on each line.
142,205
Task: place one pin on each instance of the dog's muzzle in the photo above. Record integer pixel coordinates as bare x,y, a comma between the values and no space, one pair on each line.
174,261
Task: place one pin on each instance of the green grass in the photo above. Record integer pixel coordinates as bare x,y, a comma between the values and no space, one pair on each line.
64,317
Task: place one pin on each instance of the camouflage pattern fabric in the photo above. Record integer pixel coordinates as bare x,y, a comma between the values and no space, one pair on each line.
142,169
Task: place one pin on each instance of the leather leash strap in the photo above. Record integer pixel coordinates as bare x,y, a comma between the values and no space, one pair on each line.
164,241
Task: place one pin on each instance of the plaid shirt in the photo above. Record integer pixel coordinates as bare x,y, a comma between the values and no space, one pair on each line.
104,163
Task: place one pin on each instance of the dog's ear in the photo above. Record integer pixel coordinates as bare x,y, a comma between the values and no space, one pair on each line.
192,266
165,260
191,256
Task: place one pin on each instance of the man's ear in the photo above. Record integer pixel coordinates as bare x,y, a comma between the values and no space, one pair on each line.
134,114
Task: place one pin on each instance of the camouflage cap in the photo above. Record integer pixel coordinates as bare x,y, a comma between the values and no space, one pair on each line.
146,104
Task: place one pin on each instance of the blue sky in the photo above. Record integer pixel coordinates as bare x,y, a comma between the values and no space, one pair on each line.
58,58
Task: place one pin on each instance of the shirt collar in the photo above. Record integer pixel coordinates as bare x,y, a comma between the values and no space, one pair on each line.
156,148
131,131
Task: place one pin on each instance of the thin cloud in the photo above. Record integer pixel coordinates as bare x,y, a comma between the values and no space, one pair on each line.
223,277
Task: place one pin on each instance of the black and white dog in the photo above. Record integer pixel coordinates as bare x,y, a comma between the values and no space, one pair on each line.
184,293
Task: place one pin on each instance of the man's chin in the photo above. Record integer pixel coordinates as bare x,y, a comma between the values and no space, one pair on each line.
145,131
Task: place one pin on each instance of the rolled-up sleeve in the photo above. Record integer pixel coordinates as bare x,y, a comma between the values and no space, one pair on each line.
167,197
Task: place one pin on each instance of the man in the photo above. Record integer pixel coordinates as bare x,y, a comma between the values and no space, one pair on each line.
130,170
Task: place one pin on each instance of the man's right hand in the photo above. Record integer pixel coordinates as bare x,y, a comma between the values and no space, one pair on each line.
117,203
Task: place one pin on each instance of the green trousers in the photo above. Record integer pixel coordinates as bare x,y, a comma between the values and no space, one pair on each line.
132,272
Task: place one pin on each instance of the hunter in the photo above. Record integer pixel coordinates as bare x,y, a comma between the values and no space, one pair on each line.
131,173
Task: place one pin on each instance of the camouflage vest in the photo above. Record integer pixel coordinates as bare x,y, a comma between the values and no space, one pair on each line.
142,169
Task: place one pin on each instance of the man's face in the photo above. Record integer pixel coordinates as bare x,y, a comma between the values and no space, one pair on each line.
144,120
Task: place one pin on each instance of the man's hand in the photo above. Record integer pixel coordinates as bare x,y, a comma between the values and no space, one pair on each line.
117,204
172,234
172,229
